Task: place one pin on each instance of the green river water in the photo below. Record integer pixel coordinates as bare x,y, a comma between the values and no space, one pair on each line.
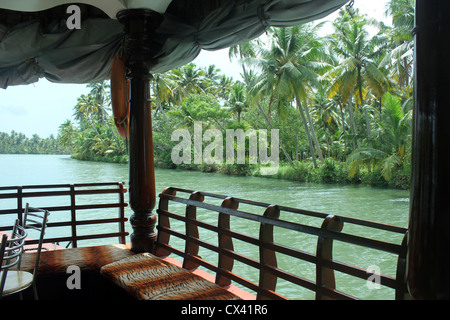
381,205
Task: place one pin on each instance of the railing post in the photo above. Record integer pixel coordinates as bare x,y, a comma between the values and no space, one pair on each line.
325,276
73,216
267,280
19,204
163,221
122,239
191,248
225,242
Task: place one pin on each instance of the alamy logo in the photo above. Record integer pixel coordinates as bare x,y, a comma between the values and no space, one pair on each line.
213,152
74,280
74,21
374,280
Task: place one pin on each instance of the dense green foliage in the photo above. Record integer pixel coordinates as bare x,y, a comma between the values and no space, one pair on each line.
342,103
93,136
18,143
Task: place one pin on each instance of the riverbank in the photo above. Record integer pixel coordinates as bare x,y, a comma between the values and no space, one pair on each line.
331,171
334,172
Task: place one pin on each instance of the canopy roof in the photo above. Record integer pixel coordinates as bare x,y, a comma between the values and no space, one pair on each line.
35,41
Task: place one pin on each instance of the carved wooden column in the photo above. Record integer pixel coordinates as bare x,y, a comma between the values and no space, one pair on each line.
428,257
139,27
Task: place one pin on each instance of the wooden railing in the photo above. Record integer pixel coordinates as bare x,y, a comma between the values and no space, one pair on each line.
74,209
222,210
204,229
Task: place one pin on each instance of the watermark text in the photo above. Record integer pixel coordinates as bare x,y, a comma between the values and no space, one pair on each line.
209,147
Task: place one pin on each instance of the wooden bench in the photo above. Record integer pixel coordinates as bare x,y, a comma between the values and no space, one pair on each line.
142,276
147,277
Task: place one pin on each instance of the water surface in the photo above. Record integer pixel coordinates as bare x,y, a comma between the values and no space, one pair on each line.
376,204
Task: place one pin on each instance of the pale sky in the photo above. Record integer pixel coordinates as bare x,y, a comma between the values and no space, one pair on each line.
41,107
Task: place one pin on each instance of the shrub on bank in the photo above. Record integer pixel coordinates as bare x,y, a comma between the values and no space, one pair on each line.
109,159
337,172
332,171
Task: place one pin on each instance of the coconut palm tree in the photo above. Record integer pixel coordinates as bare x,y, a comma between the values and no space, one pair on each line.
189,79
101,99
237,100
211,73
328,115
244,50
223,86
67,134
394,148
357,72
85,111
290,66
162,88
401,56
248,50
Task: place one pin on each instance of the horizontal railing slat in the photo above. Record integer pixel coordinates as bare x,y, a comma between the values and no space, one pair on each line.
374,244
367,223
79,237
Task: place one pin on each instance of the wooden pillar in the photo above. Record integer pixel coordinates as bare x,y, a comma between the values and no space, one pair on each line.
139,27
428,258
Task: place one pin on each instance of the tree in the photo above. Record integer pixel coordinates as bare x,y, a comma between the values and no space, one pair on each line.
163,91
401,56
96,136
327,113
357,71
394,149
248,50
237,100
102,99
290,66
18,143
212,74
201,107
326,95
85,112
223,86
189,79
67,134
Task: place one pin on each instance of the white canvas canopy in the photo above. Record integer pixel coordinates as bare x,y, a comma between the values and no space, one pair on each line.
35,41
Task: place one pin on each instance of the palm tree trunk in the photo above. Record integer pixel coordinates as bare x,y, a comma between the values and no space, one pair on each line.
159,103
352,122
308,134
313,134
281,144
341,107
369,131
272,98
244,71
327,139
